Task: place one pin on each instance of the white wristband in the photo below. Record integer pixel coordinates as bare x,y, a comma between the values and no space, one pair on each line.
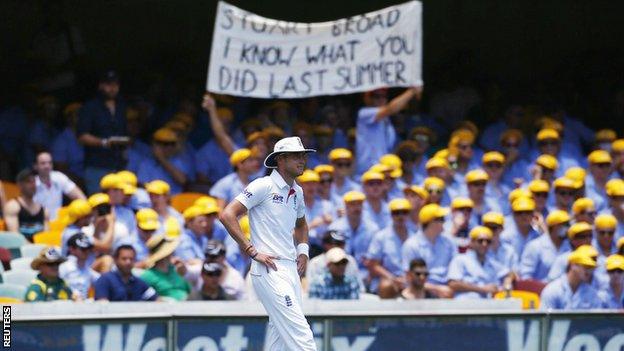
303,249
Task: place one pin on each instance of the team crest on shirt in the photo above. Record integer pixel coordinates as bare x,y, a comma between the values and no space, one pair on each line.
289,302
277,198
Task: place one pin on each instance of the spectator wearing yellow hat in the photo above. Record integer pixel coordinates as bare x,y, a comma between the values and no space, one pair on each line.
604,240
540,191
565,190
584,210
544,168
384,251
493,133
358,230
167,162
502,252
514,146
617,155
139,198
436,249
245,164
79,215
199,228
475,274
436,191
477,182
342,161
613,296
579,235
375,134
496,190
325,188
462,154
459,223
393,176
113,185
549,142
171,221
412,164
519,232
615,197
320,212
540,254
147,225
600,168
417,196
375,207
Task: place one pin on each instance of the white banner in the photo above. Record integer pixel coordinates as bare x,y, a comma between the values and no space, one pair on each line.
266,58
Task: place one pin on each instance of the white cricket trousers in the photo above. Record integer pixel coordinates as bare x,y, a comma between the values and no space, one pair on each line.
280,294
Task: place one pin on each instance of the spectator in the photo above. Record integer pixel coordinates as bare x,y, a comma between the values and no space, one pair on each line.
600,167
539,193
514,147
245,165
502,252
475,274
565,192
324,191
140,198
436,249
23,214
417,196
540,254
613,296
416,278
210,288
617,154
436,189
121,284
335,284
493,163
393,178
477,182
584,210
52,185
48,286
101,128
580,234
439,168
604,226
375,208
461,154
194,238
76,271
318,264
461,221
549,143
615,193
165,272
520,231
231,280
342,161
147,225
375,134
113,185
67,152
573,290
320,213
171,221
423,138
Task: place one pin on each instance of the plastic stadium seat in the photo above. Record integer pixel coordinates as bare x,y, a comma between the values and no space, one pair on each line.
12,291
12,242
530,300
19,277
57,225
31,250
183,201
22,263
9,300
11,190
48,238
534,286
2,224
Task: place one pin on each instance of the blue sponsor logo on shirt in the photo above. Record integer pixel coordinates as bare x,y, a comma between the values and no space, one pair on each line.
247,193
278,199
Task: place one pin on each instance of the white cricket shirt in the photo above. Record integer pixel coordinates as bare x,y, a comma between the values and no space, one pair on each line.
272,214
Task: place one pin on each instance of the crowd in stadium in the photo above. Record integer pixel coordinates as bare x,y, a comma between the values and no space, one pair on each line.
398,206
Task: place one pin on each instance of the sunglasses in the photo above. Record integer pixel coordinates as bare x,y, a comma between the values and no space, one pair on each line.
548,143
434,191
523,213
342,164
439,219
493,227
326,180
213,274
616,271
493,165
606,232
477,184
420,274
540,194
170,144
374,182
464,146
565,193
604,165
420,137
510,145
588,213
484,241
583,236
464,209
400,213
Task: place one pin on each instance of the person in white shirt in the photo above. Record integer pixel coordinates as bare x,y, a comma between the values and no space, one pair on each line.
52,185
276,210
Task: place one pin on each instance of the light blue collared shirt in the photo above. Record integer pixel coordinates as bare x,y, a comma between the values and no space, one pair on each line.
609,300
382,219
191,246
150,169
512,236
467,268
437,255
358,239
558,295
386,248
227,188
538,257
374,138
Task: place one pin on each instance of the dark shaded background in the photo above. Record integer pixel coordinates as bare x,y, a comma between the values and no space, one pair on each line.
528,50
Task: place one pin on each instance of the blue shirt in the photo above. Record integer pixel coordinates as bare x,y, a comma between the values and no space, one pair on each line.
137,152
150,169
490,137
517,169
559,296
125,216
66,149
609,300
234,257
227,188
437,254
140,200
358,239
386,248
382,218
506,256
467,268
539,256
600,278
326,288
191,246
347,186
134,240
212,162
79,279
111,286
373,138
512,236
596,193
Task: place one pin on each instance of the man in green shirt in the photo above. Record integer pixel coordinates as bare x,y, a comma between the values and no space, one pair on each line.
48,286
165,273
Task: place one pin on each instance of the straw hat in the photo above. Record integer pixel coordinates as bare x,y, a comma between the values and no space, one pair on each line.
160,246
47,255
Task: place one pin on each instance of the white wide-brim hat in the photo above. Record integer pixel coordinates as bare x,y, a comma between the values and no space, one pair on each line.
290,144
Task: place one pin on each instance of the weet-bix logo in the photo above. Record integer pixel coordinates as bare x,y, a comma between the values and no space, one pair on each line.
278,199
288,301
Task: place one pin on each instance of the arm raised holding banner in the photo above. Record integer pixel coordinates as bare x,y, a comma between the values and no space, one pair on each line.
396,104
223,139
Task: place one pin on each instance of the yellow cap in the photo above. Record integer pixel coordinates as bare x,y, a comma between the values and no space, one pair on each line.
78,209
588,250
547,161
605,135
308,176
205,201
547,133
476,175
599,156
518,193
437,162
583,204
556,217
577,174
255,136
433,183
578,228
418,190
563,182
480,232
129,189
147,219
461,135
324,169
274,132
443,154
615,262
548,122
579,257
353,196
615,187
111,181
323,130
340,154
380,168
493,218
400,205
128,177
371,175
177,126
618,145
394,162
430,212
605,221
165,135
493,156
245,227
620,244
239,156
193,212
461,202
98,199
184,117
539,186
158,187
522,204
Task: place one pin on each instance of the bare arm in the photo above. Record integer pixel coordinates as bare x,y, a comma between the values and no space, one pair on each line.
301,237
398,103
103,236
459,286
223,139
90,140
10,216
377,270
76,193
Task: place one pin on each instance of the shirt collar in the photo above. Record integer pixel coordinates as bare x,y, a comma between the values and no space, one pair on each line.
278,180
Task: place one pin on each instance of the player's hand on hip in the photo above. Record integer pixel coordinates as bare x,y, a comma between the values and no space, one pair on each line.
302,263
267,260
